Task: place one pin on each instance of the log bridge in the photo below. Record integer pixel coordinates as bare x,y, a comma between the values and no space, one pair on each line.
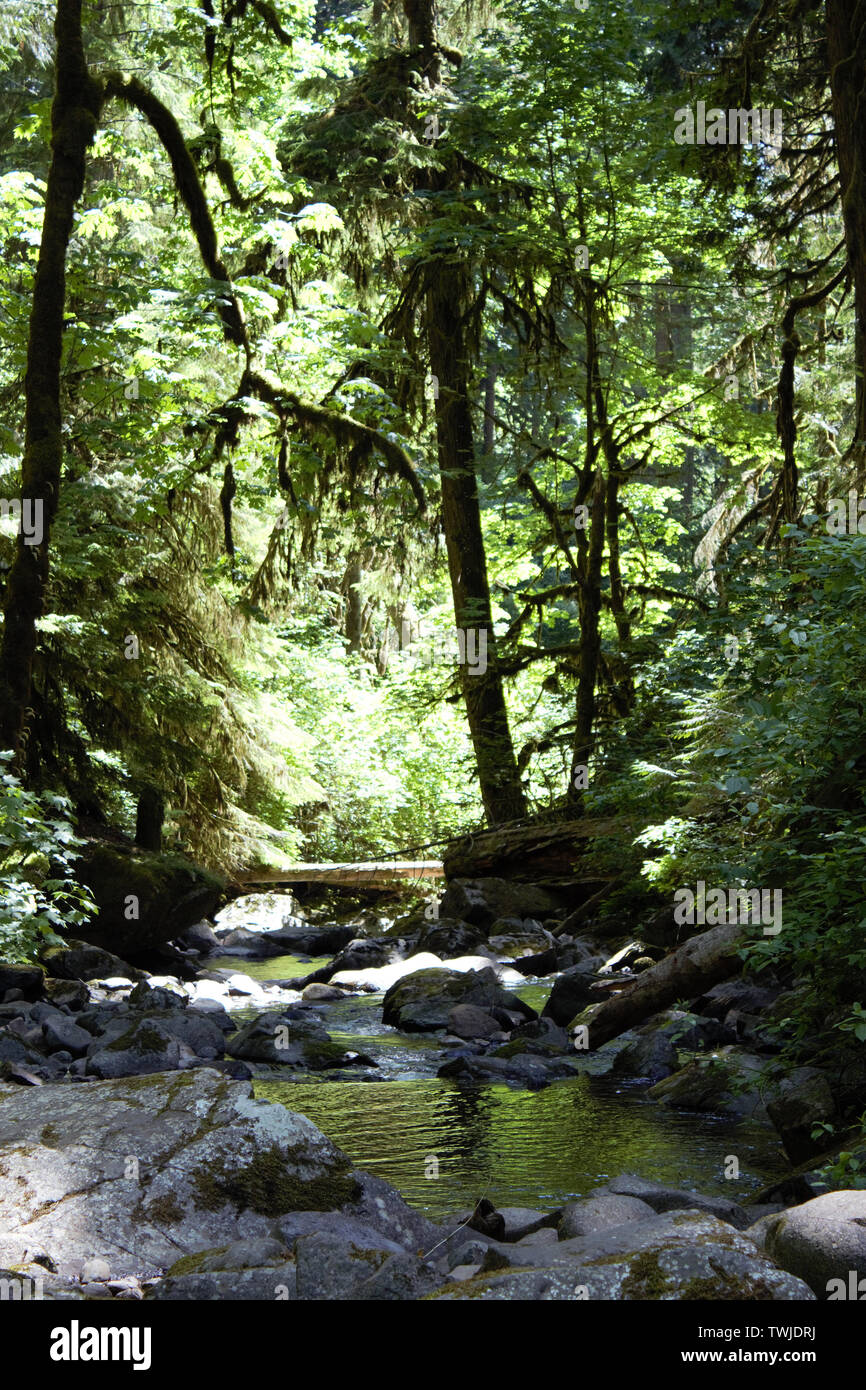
378,874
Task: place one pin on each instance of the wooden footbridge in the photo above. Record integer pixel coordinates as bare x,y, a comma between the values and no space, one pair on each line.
379,874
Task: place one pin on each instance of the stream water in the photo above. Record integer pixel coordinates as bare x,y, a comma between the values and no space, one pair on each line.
445,1144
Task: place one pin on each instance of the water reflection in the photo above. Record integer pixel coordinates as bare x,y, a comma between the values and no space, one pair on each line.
525,1148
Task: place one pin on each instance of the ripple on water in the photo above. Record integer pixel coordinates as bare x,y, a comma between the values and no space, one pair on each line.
525,1148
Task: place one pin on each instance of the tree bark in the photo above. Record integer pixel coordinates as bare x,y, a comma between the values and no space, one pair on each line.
74,116
531,851
354,625
691,970
150,815
447,295
846,53
589,603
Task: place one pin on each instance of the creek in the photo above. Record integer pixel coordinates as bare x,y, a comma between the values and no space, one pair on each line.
445,1144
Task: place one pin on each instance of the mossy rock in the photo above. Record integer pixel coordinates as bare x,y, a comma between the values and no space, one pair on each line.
168,892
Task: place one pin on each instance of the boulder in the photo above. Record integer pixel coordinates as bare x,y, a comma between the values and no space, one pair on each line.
199,937
291,1039
662,1199
196,1030
64,1034
627,955
144,1046
330,1268
599,1212
348,1230
726,1082
803,1099
313,993
822,1242
524,1070
571,993
26,978
482,901
545,963
254,945
170,894
24,1060
133,1170
648,1053
468,1021
513,937
376,1203
74,994
679,1256
313,941
449,937
422,1001
735,994
358,954
80,960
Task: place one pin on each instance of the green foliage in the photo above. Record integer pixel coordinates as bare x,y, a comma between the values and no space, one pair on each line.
39,896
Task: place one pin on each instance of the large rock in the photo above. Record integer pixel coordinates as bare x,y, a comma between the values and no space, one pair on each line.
804,1099
468,1021
663,1199
329,1268
145,1046
571,993
422,1002
168,893
482,901
135,1043
599,1212
522,1069
447,938
726,1082
545,963
133,1171
313,941
820,1241
649,1053
681,1256
290,1039
513,938
26,978
80,960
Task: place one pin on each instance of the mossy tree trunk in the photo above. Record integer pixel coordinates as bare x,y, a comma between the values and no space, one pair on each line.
74,117
448,301
846,54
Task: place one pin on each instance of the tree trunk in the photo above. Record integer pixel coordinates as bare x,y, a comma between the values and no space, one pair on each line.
589,603
447,298
354,608
149,819
846,53
691,970
531,851
74,116
481,681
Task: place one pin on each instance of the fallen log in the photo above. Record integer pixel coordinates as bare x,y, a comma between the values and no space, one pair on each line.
379,874
690,970
530,851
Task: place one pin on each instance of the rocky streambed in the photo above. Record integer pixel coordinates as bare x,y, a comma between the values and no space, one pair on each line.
142,1153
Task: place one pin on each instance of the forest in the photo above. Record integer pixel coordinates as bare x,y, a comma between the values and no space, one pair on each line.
433,534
